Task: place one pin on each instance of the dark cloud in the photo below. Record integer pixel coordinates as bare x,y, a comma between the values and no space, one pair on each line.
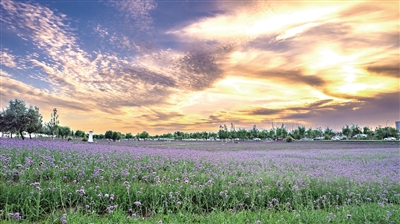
384,106
285,76
160,116
318,105
392,70
140,74
199,71
264,111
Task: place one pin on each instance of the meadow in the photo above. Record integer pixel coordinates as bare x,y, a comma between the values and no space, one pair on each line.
44,181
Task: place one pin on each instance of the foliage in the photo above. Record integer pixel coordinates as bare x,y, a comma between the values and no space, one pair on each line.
64,131
35,120
53,123
116,136
15,116
79,133
108,134
289,139
281,132
384,132
144,135
328,133
128,136
223,132
18,118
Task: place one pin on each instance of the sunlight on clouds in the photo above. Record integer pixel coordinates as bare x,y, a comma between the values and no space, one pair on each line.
243,64
296,30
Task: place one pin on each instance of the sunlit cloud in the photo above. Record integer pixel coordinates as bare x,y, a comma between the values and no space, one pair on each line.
247,63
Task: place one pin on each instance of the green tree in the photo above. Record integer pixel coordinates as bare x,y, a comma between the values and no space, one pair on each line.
310,133
296,134
367,130
116,136
272,133
346,131
34,121
178,135
53,124
79,133
64,131
328,133
281,132
381,133
223,132
255,132
108,134
355,130
15,116
144,135
128,136
301,131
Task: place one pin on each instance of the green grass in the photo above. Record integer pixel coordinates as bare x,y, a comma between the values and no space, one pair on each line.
239,191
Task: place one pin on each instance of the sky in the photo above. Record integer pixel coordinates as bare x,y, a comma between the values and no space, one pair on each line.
163,66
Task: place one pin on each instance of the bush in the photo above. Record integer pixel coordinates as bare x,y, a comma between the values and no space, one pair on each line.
289,139
84,139
69,139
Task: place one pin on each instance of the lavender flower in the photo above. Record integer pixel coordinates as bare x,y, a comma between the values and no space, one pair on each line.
63,219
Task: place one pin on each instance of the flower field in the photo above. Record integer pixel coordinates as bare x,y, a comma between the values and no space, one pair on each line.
65,182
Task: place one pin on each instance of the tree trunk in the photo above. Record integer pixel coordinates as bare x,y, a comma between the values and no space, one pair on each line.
30,137
22,136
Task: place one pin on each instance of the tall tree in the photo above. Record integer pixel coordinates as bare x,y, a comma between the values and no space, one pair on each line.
35,121
53,124
16,116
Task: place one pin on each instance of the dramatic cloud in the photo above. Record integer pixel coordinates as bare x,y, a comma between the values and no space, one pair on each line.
158,66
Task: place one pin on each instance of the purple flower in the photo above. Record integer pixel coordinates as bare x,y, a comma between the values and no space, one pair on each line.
137,203
63,219
348,216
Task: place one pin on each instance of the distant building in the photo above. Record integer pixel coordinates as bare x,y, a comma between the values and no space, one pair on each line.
398,125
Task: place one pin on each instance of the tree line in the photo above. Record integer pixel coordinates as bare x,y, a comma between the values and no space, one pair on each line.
18,118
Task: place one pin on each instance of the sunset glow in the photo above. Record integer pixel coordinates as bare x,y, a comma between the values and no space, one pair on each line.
164,66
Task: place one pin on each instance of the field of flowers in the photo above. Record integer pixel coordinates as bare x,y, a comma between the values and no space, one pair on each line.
64,182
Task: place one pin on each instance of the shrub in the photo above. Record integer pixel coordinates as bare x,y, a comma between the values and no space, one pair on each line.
84,139
289,139
69,139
